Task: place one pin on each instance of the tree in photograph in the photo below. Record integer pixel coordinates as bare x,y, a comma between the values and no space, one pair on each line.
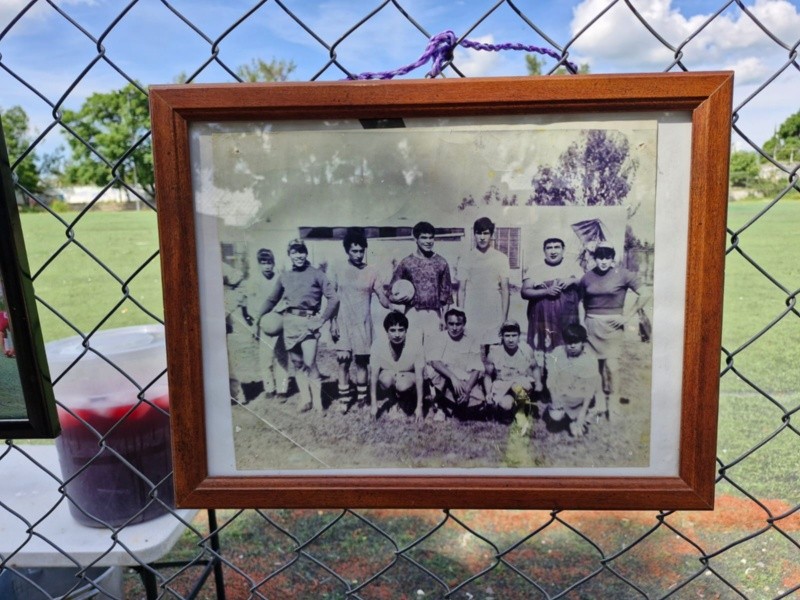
597,170
744,168
550,188
109,125
784,145
16,128
492,196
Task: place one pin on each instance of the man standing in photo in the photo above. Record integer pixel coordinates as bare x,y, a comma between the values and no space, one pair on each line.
303,288
238,335
430,275
603,291
355,283
551,289
482,274
259,287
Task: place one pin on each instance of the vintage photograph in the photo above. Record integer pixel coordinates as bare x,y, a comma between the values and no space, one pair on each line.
429,295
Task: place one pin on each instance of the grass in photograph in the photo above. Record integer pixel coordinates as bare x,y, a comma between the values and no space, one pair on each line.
12,404
269,434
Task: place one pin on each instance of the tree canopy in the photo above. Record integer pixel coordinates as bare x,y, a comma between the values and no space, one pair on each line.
596,171
784,145
16,129
109,135
113,139
260,70
744,169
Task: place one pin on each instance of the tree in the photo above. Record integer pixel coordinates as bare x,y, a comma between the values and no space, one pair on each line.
595,171
535,66
256,70
744,169
16,128
784,145
113,130
550,188
259,70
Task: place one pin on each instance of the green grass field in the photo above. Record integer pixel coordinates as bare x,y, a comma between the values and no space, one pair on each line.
77,285
752,303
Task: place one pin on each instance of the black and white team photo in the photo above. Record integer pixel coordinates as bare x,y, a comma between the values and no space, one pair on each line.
381,315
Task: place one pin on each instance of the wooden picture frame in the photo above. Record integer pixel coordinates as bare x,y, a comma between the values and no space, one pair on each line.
29,409
235,165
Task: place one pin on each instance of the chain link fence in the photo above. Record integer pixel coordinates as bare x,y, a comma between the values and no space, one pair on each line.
749,547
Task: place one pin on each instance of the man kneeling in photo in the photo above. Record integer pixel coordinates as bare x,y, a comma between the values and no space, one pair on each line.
397,367
511,375
573,380
454,369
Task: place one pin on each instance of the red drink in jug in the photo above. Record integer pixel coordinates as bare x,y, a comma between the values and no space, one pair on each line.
114,448
104,487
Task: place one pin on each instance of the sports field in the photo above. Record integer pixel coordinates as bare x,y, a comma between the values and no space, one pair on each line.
77,285
752,303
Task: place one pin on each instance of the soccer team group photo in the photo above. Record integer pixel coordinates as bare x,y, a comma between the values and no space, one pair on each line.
409,324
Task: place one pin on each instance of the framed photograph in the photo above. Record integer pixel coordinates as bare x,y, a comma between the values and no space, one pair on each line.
480,293
27,406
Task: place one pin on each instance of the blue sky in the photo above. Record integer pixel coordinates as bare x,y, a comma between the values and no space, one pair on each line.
153,45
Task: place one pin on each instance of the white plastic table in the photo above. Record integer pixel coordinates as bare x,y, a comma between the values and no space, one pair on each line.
28,492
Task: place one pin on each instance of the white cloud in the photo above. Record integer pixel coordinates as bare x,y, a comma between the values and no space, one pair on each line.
9,9
617,41
477,63
750,70
619,37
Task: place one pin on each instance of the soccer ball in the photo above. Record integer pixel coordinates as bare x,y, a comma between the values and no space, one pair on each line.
272,323
402,292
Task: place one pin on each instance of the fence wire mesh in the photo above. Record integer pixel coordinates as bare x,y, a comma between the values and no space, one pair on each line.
748,547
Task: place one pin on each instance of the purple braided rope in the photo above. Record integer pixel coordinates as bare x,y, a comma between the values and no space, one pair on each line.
440,49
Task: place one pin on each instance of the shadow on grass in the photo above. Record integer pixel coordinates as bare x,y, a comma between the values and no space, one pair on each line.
395,554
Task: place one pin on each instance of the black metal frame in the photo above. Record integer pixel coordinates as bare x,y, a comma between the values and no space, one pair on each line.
42,420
